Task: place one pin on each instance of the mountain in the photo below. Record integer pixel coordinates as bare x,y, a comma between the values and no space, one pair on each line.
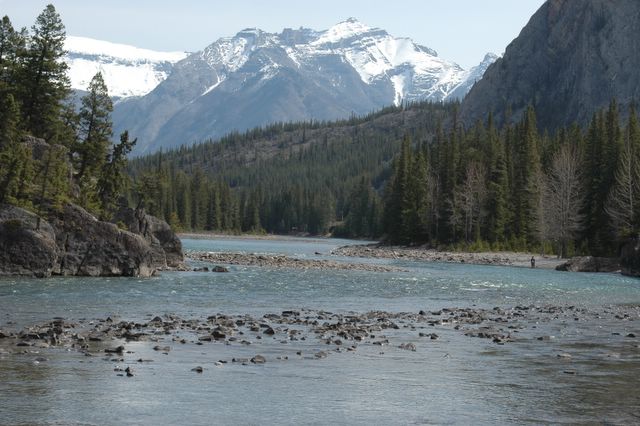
255,78
128,71
569,61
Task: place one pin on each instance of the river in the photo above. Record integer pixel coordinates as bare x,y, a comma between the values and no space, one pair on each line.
579,364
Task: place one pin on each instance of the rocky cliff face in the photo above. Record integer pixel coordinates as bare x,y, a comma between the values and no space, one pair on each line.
569,61
73,242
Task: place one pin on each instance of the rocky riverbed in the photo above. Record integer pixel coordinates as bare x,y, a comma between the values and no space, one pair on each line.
311,335
423,254
282,261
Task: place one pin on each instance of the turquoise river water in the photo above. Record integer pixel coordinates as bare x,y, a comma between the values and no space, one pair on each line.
577,368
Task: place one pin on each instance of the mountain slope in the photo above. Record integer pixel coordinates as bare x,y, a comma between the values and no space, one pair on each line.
128,71
256,78
568,62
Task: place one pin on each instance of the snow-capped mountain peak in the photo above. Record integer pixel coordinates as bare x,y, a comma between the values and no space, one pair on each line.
255,78
127,70
343,31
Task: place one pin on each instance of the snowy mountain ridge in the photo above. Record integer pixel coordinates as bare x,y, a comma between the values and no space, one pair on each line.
255,78
128,71
415,72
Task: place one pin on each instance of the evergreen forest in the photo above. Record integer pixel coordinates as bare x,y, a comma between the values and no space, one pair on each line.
411,174
53,151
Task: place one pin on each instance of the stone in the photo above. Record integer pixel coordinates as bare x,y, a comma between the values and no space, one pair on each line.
166,247
258,359
198,369
219,269
119,350
269,331
408,347
25,248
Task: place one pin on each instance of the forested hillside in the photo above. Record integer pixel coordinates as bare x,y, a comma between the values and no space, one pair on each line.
400,175
285,178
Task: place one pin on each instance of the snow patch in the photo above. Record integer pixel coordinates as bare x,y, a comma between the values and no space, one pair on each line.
89,46
128,71
398,86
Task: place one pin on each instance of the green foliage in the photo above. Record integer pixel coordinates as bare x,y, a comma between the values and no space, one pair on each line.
42,78
113,180
34,89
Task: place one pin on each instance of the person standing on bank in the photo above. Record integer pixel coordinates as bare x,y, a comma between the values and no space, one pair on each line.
533,262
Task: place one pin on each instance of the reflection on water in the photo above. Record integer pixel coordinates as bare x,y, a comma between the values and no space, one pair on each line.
581,369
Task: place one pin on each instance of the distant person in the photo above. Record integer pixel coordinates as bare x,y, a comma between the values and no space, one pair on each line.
533,262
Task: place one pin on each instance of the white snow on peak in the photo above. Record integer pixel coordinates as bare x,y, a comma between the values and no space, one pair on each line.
344,30
127,70
89,46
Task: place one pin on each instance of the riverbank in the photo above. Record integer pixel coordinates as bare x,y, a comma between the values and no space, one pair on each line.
281,261
483,258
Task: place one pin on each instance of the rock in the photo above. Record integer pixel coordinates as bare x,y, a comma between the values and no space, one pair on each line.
166,247
218,334
162,348
258,359
631,335
219,269
198,369
590,264
321,354
562,83
26,249
408,347
630,258
94,248
69,241
119,350
269,331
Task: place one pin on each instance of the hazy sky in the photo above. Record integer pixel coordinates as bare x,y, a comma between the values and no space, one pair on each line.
459,30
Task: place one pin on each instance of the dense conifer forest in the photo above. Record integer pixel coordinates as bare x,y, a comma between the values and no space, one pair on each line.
412,175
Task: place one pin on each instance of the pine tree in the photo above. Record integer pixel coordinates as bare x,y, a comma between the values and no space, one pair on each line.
95,128
44,80
113,179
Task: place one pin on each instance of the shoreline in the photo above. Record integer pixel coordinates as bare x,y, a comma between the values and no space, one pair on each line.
282,261
522,260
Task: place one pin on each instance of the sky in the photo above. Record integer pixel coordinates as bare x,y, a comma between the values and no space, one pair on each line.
462,31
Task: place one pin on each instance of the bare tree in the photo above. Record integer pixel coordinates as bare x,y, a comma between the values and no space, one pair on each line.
563,197
624,198
470,196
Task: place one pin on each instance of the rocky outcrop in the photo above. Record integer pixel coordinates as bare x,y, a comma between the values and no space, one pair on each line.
25,249
569,61
73,242
91,247
630,258
166,246
590,264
